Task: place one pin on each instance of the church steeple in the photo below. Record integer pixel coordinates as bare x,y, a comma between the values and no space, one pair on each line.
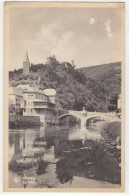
26,64
26,57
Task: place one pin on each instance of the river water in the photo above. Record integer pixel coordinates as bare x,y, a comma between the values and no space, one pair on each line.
63,157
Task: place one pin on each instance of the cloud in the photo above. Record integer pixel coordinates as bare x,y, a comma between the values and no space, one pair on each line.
92,21
48,35
108,29
65,45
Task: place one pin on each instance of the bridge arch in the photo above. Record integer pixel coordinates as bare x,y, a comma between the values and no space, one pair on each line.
106,118
69,114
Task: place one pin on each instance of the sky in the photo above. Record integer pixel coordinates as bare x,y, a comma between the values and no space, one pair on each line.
88,36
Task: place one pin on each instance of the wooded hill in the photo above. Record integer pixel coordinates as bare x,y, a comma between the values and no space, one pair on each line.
109,75
95,88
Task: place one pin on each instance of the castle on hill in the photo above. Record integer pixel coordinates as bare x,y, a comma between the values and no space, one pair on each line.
51,60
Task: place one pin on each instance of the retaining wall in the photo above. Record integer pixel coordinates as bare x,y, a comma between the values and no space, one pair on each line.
17,121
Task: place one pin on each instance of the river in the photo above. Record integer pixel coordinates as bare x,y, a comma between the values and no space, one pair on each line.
63,157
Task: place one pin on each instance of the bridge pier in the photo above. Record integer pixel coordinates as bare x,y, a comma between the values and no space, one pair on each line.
83,123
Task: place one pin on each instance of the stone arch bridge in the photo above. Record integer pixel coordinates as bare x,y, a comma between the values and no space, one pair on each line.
86,116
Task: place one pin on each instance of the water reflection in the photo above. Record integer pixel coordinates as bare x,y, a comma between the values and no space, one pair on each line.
56,156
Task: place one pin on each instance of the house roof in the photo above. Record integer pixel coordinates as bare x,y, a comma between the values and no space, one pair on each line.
25,87
49,92
28,89
15,91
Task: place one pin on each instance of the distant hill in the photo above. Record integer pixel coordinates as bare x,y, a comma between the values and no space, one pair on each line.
108,75
91,87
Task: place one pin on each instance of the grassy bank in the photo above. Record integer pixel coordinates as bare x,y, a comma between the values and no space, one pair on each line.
112,128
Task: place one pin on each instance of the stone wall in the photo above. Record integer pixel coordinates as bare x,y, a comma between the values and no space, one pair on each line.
17,121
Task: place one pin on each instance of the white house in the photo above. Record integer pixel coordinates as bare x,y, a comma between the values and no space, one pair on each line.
15,97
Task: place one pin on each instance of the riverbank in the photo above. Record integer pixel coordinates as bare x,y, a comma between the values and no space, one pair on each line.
20,121
112,128
17,121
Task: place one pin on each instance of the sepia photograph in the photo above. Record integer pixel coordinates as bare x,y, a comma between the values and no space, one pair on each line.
63,97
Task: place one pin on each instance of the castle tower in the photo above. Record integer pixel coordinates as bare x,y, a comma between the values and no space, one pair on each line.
26,65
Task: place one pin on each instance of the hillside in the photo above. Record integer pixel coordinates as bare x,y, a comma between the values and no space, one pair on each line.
109,75
75,89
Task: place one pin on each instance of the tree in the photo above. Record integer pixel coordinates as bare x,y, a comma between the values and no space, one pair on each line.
112,103
12,109
113,100
90,107
111,108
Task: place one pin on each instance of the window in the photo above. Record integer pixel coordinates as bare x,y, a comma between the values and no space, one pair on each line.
31,96
28,96
28,103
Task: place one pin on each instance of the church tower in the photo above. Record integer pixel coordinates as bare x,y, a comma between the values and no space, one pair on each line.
26,65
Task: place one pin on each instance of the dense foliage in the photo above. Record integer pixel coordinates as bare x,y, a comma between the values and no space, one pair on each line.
75,89
109,75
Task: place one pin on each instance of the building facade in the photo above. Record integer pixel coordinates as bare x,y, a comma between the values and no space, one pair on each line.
51,60
15,98
51,93
37,103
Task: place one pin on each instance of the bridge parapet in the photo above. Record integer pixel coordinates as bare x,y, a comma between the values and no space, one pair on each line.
85,116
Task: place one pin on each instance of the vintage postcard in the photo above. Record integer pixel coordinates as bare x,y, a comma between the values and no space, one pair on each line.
63,97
